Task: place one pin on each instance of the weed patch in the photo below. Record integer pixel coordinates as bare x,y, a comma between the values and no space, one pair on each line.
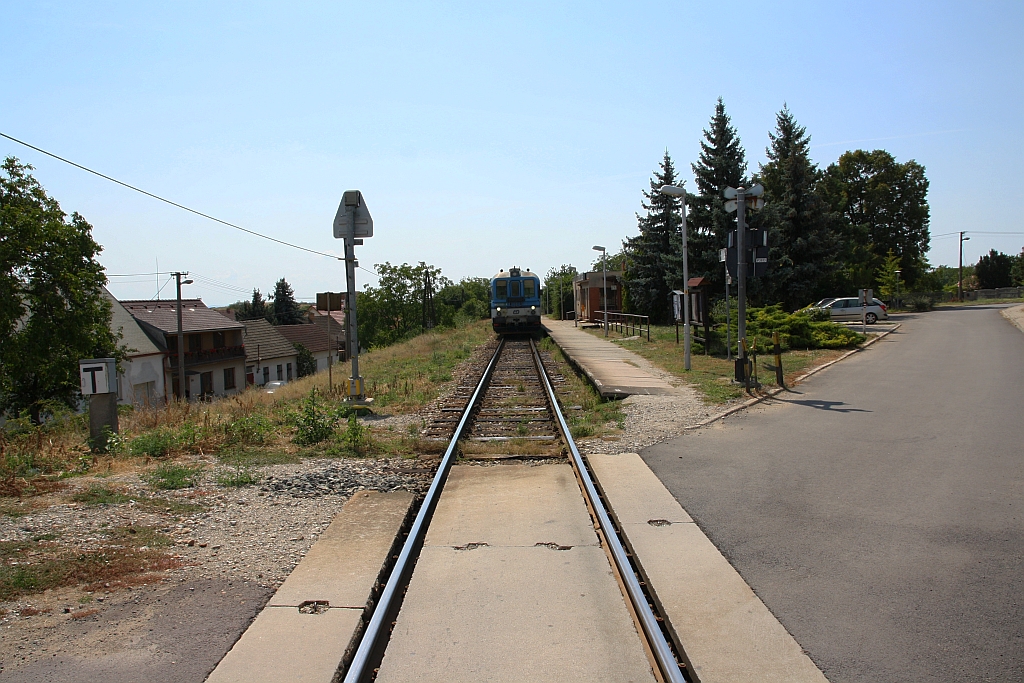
35,566
241,476
171,476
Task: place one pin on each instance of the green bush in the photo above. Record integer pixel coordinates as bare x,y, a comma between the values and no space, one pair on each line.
249,429
314,421
918,303
796,330
242,476
155,443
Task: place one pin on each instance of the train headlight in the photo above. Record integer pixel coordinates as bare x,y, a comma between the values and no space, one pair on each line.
533,308
499,309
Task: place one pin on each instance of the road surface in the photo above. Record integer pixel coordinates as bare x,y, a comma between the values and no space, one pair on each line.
877,510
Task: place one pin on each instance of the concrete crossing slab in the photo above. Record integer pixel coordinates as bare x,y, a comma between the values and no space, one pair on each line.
513,586
727,633
614,371
307,627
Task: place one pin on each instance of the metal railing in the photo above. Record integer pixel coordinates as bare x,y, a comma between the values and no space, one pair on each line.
632,323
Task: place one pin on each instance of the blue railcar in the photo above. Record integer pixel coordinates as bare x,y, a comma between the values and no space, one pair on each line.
515,302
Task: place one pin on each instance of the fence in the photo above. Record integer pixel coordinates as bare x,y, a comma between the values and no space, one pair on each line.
625,322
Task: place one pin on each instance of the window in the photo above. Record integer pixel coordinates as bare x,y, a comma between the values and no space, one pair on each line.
218,340
229,378
266,374
289,372
501,289
513,289
528,289
280,372
195,343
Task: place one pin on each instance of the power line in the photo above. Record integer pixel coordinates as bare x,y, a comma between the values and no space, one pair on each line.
168,201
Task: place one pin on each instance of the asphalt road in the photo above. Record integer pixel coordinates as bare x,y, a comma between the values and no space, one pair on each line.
878,510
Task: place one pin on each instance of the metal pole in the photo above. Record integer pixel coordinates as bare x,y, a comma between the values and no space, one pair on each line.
960,284
330,373
686,291
728,318
354,390
181,343
604,276
741,272
561,304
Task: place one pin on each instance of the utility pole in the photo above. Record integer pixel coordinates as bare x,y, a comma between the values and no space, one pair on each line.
739,198
960,284
181,336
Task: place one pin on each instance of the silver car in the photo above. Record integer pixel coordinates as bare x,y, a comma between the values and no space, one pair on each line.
849,309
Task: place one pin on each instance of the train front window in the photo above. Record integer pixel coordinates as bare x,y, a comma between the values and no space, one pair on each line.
513,288
528,289
501,289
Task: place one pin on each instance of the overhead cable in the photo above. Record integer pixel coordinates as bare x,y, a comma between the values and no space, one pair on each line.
168,201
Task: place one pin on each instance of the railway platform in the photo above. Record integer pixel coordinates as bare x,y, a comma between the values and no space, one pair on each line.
613,370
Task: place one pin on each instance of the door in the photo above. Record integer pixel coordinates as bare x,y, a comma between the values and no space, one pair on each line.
205,384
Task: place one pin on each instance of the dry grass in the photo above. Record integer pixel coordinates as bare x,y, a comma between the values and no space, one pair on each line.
126,556
251,428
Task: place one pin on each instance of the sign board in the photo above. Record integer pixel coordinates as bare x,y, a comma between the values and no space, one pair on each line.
730,193
98,376
330,301
865,296
352,203
722,255
677,305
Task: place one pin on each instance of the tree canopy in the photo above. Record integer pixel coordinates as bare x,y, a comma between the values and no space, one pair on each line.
721,164
882,205
802,245
52,309
647,253
284,310
994,270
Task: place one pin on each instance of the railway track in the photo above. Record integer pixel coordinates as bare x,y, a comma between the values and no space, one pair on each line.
512,412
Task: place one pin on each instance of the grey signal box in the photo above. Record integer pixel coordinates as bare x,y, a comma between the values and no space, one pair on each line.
352,203
98,376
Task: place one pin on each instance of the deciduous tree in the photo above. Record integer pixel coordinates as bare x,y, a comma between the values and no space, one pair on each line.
994,270
883,205
52,310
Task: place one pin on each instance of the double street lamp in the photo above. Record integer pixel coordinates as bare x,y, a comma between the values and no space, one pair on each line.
604,279
674,191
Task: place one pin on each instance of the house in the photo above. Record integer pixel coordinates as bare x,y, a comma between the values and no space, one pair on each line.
141,380
314,314
214,353
589,293
269,356
322,338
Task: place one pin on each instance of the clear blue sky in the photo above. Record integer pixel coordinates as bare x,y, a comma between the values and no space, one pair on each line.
482,135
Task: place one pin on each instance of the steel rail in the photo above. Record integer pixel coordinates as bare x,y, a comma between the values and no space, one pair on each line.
652,630
375,637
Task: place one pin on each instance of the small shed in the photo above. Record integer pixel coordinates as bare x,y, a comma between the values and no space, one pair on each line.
589,290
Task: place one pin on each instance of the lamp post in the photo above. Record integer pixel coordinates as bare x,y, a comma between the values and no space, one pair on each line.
181,337
674,191
604,280
960,284
897,289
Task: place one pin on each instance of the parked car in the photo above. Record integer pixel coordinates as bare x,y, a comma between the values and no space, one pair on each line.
849,309
271,387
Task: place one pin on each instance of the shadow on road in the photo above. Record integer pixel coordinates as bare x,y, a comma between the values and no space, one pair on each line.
832,406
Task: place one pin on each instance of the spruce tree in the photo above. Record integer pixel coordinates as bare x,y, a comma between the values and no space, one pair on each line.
258,306
647,253
285,308
803,247
721,164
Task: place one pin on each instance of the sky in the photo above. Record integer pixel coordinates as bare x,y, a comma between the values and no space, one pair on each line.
482,135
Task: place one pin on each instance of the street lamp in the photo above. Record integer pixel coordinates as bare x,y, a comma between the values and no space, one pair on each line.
674,191
897,289
960,284
181,337
604,279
